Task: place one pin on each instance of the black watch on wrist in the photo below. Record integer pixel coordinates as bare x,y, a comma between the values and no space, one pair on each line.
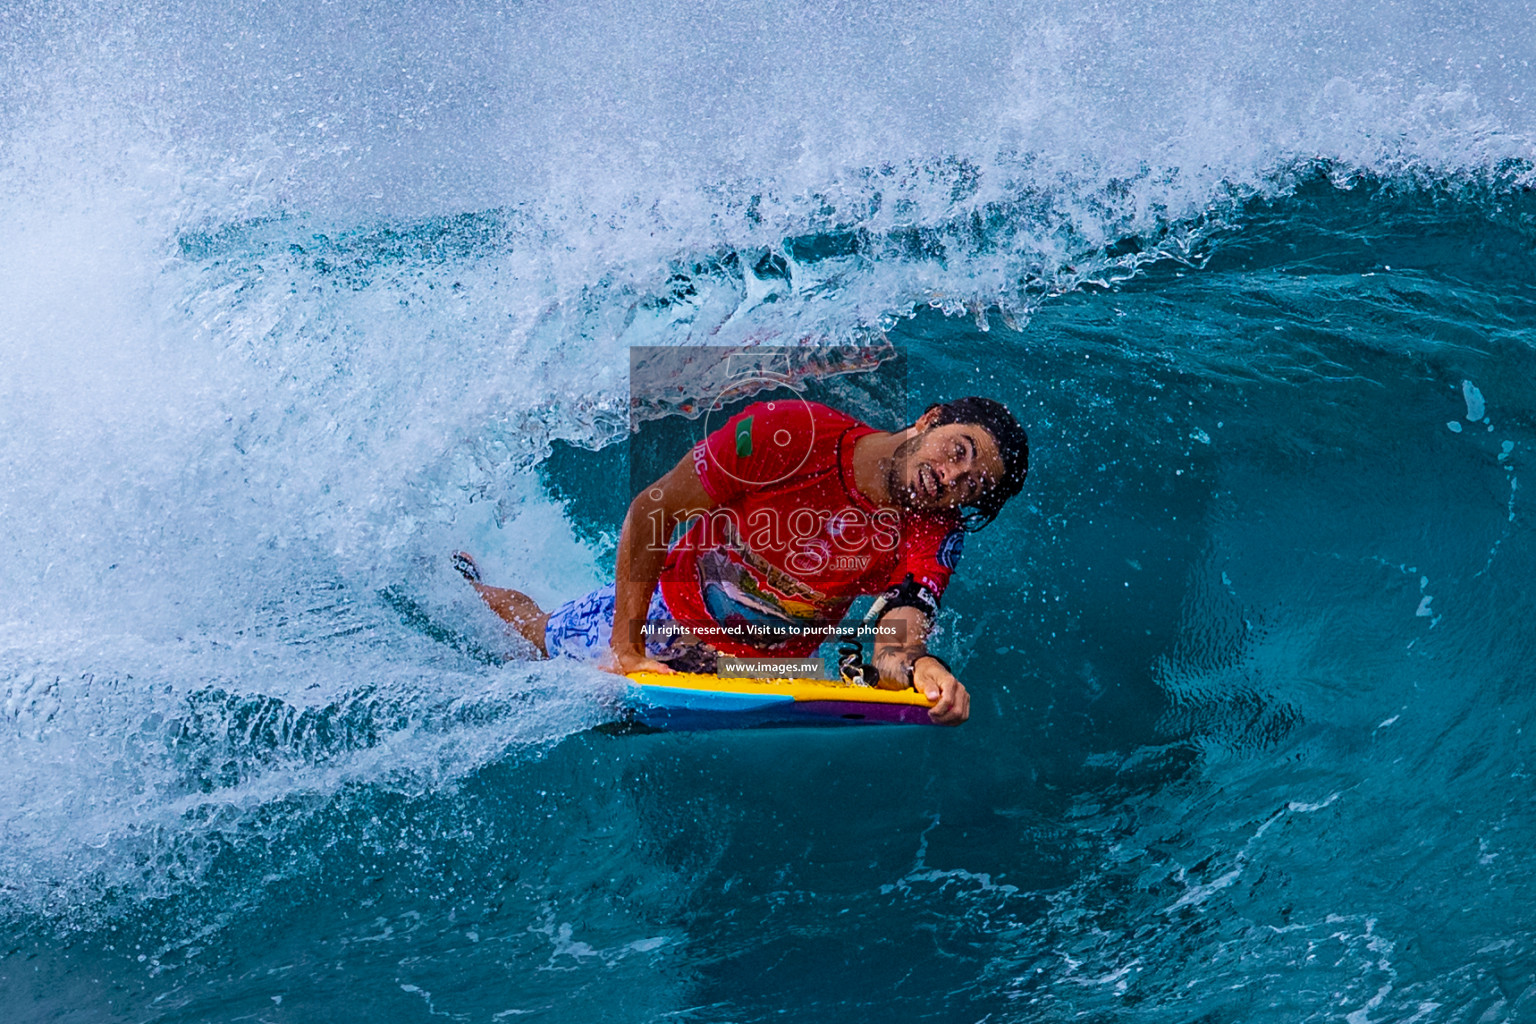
912,667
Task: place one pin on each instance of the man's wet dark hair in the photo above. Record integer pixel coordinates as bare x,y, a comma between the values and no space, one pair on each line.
1012,445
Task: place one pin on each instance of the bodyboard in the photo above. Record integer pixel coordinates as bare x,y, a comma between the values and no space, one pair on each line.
686,701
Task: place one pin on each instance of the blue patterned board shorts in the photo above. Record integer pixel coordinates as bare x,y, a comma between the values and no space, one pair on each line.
583,628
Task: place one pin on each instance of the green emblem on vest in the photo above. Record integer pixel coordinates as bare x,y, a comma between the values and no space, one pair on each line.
744,438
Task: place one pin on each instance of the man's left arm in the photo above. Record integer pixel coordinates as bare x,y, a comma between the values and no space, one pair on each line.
896,658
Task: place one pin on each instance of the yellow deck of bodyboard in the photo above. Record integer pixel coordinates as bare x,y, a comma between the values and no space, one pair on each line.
692,701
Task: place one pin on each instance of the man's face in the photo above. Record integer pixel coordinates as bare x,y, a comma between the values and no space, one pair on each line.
945,467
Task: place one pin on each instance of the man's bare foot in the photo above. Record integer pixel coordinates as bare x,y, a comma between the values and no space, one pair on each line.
514,607
464,563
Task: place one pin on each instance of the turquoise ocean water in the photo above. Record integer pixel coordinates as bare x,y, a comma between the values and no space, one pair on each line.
298,298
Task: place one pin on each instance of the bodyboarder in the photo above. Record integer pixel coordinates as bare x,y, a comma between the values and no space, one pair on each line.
773,524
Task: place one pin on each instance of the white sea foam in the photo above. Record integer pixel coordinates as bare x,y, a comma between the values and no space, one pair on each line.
1477,408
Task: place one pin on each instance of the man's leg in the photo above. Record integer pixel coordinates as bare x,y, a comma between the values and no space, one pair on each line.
513,606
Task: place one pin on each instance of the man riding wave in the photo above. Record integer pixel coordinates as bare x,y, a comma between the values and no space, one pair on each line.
788,512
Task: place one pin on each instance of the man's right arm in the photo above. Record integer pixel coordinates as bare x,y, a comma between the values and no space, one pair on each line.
652,517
